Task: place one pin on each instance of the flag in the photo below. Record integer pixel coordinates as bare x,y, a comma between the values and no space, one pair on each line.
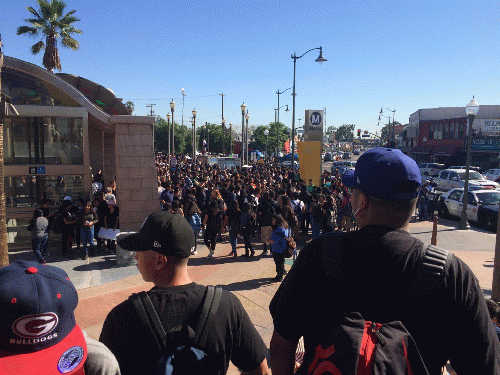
287,146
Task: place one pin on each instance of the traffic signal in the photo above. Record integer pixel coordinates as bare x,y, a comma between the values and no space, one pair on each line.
359,133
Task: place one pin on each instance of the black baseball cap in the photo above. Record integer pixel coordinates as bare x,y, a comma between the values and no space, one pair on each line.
164,232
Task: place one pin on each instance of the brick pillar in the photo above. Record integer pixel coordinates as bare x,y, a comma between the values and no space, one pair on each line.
135,169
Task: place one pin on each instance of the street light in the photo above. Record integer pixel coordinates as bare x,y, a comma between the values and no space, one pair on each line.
320,60
194,135
247,117
266,133
277,132
243,108
230,138
172,107
168,136
277,121
208,141
223,136
471,109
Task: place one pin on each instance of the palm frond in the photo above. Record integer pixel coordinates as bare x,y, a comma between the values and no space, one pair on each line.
58,7
37,47
67,20
70,43
70,30
32,10
27,30
45,9
38,23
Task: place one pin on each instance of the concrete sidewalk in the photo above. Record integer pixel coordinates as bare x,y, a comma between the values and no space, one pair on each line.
102,285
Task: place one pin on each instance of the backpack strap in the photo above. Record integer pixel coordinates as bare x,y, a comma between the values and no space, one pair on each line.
148,316
431,271
212,299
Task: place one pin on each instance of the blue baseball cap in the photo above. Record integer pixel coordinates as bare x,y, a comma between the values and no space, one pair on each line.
379,171
38,330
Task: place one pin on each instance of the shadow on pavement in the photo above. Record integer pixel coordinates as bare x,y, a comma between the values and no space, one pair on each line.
223,259
106,263
249,284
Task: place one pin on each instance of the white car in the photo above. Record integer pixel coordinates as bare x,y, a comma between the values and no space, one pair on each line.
430,169
455,178
482,205
492,174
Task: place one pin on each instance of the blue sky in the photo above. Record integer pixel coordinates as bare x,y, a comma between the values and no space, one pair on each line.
401,55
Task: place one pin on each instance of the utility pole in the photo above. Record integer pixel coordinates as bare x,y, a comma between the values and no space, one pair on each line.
150,106
223,126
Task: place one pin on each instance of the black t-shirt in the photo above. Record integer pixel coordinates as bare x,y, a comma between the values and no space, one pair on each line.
374,273
232,335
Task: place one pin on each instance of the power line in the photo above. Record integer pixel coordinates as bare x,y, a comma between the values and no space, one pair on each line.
151,107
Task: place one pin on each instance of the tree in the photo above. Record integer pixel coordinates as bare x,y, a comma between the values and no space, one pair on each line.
52,24
161,135
259,139
345,133
385,131
130,106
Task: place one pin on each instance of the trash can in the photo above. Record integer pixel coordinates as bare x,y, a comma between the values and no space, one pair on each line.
124,257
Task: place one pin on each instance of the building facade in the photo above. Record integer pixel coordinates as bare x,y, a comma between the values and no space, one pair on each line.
67,129
439,135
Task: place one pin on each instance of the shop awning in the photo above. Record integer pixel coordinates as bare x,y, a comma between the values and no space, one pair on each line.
422,149
446,150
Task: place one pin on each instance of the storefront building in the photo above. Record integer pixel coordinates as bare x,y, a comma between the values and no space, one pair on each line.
67,129
441,136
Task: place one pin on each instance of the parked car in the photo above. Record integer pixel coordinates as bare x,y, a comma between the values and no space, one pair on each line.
328,157
430,169
482,206
492,174
455,178
464,167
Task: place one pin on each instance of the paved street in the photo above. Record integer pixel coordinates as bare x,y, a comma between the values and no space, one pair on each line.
102,285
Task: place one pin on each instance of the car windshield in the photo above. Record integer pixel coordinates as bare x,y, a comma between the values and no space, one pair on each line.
473,175
490,197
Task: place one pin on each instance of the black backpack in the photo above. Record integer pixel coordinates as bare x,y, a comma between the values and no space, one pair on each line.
58,223
180,349
358,347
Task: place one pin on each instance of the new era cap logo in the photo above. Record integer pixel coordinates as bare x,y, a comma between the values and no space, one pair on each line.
156,244
35,326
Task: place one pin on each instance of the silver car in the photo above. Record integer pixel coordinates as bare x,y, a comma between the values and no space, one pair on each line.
455,178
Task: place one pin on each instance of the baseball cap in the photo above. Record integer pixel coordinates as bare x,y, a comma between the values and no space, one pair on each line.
379,171
164,232
38,331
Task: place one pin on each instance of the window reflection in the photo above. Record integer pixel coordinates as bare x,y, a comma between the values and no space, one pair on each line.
28,191
43,140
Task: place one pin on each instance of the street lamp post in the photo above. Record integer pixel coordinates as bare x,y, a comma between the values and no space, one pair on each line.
194,135
243,108
168,137
223,136
320,60
277,122
277,132
208,141
172,107
230,138
266,133
247,117
471,109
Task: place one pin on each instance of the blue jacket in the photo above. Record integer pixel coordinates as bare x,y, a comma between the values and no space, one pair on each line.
278,237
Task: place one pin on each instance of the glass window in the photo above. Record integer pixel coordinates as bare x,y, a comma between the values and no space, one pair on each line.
28,191
456,195
461,130
43,140
452,175
471,199
444,175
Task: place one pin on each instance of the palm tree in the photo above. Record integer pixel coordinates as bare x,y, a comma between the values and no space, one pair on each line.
51,23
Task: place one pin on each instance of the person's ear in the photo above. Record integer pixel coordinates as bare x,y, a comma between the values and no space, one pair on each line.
160,262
